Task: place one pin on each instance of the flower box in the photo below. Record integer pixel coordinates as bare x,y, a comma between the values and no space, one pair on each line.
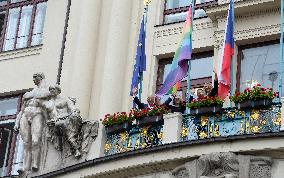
205,110
116,128
149,120
254,104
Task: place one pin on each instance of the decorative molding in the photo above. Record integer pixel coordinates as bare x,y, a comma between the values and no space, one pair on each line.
249,33
170,44
178,30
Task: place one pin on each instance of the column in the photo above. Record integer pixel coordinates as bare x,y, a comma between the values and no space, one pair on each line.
80,52
108,84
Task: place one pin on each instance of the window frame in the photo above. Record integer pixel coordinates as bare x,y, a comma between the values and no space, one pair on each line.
240,58
194,83
13,141
6,8
185,9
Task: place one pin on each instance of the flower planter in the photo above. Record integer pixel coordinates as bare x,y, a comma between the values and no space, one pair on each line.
254,104
205,110
117,128
149,120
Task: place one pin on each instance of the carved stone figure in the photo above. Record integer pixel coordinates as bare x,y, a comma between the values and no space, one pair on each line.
225,165
67,130
181,173
218,165
30,122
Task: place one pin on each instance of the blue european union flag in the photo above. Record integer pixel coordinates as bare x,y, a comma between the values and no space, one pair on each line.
140,64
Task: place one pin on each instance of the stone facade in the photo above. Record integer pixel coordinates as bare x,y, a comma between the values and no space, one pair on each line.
98,62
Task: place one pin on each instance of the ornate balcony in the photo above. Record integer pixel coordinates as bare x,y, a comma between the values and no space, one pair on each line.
230,122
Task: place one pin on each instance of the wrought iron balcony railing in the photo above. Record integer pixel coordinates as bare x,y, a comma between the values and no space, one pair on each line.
232,122
134,137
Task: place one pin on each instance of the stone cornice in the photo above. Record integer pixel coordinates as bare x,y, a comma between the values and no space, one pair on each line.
241,7
261,12
36,50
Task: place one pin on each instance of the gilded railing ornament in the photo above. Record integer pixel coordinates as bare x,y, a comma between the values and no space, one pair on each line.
147,2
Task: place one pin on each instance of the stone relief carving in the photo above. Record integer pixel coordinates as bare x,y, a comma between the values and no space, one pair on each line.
181,173
218,164
45,116
225,165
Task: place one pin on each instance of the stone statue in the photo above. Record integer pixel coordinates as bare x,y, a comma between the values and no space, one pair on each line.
67,130
30,123
46,116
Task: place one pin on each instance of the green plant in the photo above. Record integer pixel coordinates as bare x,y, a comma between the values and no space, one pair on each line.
206,101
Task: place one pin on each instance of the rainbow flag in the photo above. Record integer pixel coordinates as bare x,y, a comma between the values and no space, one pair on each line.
179,67
175,88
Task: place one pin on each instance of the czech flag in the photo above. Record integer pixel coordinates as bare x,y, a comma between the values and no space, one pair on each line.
228,51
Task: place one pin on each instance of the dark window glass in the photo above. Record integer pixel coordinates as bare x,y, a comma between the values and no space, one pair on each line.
201,72
261,64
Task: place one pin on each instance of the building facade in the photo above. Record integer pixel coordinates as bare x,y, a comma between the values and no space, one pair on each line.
89,47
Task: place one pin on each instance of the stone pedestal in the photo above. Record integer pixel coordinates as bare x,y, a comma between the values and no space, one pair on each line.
172,127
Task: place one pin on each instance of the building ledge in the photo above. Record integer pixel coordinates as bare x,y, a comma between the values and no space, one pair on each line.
270,143
35,50
241,7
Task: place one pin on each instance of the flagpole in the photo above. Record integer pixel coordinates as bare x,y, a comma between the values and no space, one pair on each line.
232,62
281,51
145,15
189,61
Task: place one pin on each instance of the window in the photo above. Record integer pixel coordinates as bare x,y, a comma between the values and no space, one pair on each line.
201,72
176,10
261,63
21,23
10,146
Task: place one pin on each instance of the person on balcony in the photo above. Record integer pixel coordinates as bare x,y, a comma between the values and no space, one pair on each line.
151,100
199,93
178,104
210,90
